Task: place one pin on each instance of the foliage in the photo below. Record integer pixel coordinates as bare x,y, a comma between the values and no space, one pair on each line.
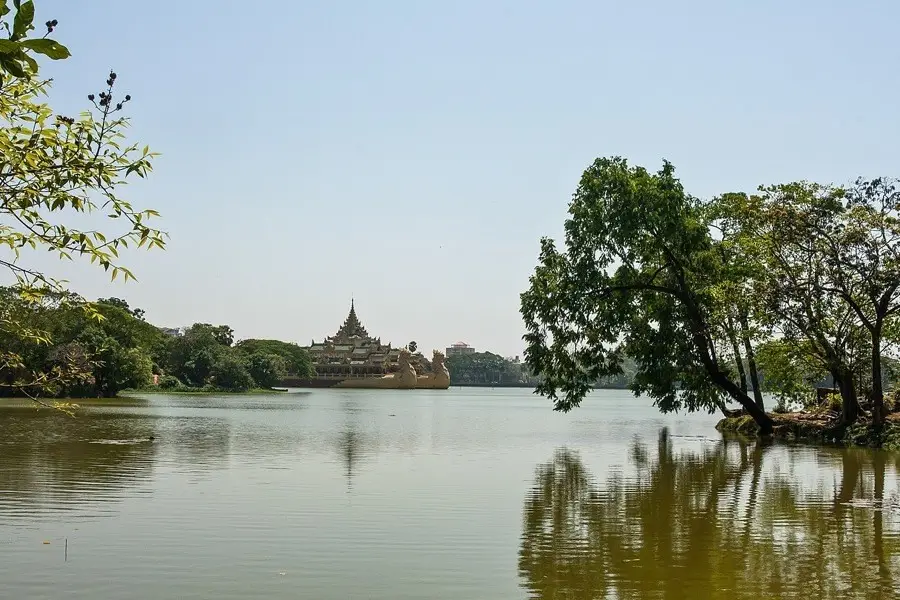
118,302
229,372
89,357
56,168
16,50
116,367
637,277
203,357
790,374
123,351
169,382
191,356
266,370
788,285
297,361
483,368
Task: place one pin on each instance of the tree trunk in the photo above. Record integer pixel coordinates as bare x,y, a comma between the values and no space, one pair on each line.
751,362
877,384
704,346
849,403
732,337
763,421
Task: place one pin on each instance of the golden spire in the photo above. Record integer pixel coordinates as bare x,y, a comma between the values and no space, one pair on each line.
351,327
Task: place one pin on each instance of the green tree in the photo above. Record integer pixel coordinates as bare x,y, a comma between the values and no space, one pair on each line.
116,367
266,369
484,368
862,253
229,372
297,360
734,293
191,356
780,232
118,302
111,354
791,371
55,166
34,360
637,277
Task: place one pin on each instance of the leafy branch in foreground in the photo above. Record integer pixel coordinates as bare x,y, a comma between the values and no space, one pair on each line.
54,167
56,170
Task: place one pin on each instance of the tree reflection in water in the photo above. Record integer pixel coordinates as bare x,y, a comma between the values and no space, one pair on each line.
733,520
52,463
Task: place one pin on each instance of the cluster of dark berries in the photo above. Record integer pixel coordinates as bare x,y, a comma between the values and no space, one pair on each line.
106,97
66,120
51,25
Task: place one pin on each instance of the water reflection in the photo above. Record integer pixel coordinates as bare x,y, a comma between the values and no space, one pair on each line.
197,442
51,462
729,520
353,443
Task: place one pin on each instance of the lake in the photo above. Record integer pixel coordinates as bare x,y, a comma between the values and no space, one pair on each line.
466,493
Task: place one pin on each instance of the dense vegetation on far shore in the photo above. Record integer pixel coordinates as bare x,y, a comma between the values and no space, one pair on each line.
488,369
111,347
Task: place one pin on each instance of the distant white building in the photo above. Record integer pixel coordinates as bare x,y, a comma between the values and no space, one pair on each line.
173,331
460,348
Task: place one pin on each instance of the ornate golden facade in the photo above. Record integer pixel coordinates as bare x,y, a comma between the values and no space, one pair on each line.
353,358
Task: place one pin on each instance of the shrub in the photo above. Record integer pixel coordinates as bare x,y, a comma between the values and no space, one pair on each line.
169,382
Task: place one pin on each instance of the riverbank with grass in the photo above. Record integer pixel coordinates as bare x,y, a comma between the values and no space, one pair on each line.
824,429
184,391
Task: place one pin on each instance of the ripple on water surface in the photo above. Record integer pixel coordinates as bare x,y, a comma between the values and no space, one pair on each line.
460,494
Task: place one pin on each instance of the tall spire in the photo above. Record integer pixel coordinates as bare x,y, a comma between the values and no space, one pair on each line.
351,327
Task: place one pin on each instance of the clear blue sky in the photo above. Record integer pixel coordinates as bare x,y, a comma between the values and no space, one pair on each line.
412,153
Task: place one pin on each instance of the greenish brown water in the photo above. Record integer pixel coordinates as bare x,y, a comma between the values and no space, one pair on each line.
466,493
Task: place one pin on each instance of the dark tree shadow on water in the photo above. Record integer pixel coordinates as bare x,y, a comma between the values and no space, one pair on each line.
733,520
54,463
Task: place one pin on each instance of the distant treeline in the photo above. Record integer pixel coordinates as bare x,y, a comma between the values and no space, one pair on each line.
66,348
487,368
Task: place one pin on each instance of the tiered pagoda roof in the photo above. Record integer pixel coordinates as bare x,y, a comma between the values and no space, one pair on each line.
351,328
354,347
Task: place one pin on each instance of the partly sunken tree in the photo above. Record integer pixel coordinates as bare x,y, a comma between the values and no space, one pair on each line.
54,166
638,276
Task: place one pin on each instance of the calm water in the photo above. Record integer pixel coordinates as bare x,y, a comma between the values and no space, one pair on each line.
464,494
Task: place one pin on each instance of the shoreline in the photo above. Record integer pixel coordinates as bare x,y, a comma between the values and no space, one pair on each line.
820,430
159,392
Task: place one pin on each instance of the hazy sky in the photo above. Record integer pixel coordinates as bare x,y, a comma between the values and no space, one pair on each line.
411,154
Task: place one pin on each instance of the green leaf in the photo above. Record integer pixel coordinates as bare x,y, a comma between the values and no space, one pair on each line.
49,48
32,64
24,19
11,66
4,8
8,47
